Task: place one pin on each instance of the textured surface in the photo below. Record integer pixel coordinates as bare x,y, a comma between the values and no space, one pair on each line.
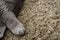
41,19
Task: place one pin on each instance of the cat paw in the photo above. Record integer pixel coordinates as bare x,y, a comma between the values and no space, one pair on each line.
1,36
19,30
2,30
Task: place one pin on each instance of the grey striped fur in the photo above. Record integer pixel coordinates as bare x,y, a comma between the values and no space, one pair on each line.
8,18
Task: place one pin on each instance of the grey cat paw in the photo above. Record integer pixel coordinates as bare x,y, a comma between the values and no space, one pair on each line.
1,35
19,30
2,30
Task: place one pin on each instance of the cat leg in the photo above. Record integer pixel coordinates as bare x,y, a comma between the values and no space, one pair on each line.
15,5
2,29
13,24
2,26
10,4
